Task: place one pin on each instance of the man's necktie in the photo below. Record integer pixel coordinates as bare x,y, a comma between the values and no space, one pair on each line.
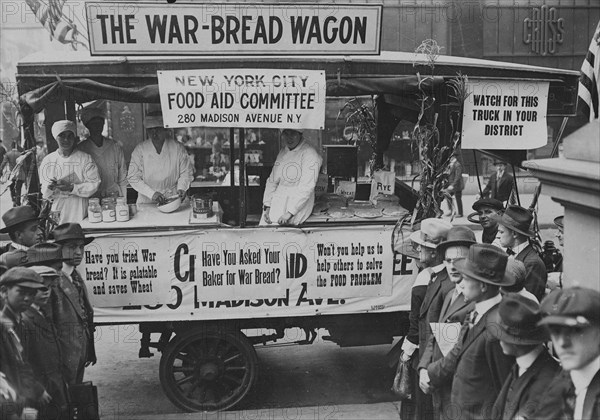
473,318
570,399
510,252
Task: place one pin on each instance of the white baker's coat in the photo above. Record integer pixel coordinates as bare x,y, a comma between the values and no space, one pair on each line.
151,172
291,185
111,164
81,170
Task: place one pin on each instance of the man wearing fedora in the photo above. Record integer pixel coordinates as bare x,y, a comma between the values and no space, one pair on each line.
40,338
481,365
521,337
430,283
500,184
572,318
485,208
515,232
18,286
45,254
21,224
107,154
68,176
71,309
436,377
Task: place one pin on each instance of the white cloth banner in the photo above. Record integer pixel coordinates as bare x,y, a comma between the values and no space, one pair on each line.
244,98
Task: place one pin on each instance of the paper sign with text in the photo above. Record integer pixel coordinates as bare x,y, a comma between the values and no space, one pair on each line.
249,98
500,115
142,28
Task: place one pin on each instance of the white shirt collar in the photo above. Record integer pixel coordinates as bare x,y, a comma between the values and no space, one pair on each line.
583,377
67,269
482,307
19,246
517,249
527,360
438,268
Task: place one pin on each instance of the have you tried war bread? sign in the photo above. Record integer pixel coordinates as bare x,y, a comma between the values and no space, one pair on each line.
502,114
118,28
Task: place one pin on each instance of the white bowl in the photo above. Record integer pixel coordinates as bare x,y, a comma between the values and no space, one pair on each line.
171,206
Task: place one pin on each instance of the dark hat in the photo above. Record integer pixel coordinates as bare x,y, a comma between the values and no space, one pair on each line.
573,307
43,254
16,216
69,231
485,263
519,318
88,114
458,236
488,202
515,274
3,268
24,277
560,221
517,219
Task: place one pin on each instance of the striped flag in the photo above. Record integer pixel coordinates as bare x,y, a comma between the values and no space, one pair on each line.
589,93
51,17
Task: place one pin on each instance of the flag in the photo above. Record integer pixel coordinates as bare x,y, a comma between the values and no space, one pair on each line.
51,17
589,94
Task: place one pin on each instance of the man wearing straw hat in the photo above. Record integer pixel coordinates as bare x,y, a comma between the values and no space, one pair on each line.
436,378
481,365
515,231
68,176
535,368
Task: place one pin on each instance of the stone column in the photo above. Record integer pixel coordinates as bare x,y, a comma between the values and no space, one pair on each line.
573,180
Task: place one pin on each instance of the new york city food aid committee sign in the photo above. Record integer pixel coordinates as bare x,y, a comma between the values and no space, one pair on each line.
501,114
117,28
249,98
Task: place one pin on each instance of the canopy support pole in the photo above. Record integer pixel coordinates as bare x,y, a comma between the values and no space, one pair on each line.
559,136
477,172
515,184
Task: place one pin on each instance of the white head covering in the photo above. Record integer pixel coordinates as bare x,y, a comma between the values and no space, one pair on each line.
62,126
88,114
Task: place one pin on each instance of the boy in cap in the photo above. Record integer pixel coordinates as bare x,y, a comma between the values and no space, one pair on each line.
522,338
481,365
425,305
68,176
573,318
159,165
436,377
71,309
21,224
289,200
515,231
485,208
40,338
18,287
107,154
500,184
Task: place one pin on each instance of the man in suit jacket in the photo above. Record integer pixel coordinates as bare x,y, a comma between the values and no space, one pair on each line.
21,224
481,366
514,228
574,325
455,183
534,369
425,302
500,184
454,309
71,309
485,208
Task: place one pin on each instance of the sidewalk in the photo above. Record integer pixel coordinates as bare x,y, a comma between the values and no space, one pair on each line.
379,411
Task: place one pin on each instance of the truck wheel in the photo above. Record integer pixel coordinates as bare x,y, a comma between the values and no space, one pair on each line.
208,370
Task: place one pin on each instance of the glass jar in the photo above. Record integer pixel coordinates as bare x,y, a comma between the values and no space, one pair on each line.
108,210
122,209
94,210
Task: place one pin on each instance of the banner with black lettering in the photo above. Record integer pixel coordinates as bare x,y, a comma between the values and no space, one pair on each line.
142,28
502,114
243,273
250,98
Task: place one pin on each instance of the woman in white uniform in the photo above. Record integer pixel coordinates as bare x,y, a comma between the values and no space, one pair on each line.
159,165
290,190
68,176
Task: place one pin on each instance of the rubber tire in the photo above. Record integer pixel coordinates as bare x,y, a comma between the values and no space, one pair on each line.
182,341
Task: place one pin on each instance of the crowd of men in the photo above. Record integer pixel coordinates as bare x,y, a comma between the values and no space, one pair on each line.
511,357
46,320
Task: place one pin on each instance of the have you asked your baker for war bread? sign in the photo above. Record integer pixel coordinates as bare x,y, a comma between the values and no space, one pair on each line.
502,114
142,28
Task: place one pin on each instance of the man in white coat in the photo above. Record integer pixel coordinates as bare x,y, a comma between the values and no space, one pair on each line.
68,176
290,190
